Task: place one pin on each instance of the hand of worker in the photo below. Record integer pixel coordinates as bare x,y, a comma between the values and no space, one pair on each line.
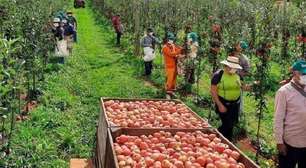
222,108
282,149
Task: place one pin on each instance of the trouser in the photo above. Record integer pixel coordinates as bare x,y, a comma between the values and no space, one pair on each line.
75,36
69,40
119,34
241,108
189,75
148,67
61,60
190,71
229,118
171,74
295,156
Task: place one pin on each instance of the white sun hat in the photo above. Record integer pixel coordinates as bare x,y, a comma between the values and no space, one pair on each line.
232,62
56,20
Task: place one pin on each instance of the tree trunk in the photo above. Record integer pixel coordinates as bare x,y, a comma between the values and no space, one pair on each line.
136,17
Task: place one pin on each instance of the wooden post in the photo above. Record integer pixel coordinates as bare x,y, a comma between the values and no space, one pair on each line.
136,17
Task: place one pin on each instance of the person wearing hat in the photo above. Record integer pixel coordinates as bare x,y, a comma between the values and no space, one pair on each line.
171,52
61,44
68,34
226,90
290,119
57,29
73,22
148,42
191,49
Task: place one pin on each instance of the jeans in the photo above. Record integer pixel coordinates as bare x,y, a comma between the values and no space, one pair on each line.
229,118
148,67
295,156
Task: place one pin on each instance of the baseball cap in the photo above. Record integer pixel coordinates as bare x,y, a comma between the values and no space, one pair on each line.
300,66
171,36
244,45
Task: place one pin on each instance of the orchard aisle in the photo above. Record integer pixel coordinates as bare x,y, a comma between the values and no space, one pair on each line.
63,125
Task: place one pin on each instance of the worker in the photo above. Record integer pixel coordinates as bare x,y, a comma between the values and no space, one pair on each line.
171,52
116,21
61,50
73,22
68,34
289,119
226,89
148,42
191,49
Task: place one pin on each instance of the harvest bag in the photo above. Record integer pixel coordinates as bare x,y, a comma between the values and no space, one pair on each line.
61,49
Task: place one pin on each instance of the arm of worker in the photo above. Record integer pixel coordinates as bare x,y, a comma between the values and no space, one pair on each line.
215,97
214,92
156,39
279,118
173,52
249,87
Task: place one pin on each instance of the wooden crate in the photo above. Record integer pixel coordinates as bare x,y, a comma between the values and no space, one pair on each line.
112,162
109,124
104,126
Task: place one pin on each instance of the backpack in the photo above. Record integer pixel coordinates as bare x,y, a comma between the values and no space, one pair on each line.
220,74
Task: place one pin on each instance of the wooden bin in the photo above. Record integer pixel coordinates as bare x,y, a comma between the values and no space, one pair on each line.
104,126
112,162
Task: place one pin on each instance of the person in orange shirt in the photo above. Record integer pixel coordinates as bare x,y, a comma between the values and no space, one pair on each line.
171,52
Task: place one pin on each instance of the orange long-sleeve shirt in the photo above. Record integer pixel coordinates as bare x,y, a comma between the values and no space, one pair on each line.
170,53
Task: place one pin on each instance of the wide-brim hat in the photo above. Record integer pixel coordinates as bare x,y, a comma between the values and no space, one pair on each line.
232,62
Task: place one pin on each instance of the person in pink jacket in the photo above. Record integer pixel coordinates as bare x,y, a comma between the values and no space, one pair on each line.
290,119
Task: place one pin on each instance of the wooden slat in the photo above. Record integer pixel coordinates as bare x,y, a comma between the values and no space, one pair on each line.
102,137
